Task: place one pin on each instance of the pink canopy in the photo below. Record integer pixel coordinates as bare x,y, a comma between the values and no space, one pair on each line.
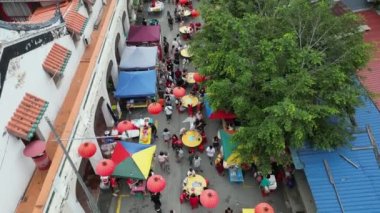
140,34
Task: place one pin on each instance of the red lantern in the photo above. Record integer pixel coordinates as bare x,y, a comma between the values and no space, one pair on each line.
195,13
87,149
153,3
264,208
154,108
105,167
179,92
209,198
183,1
156,183
198,77
124,126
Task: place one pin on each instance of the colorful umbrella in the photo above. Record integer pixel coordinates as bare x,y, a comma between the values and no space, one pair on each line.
132,160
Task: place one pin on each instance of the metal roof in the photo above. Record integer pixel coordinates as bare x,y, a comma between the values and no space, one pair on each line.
356,174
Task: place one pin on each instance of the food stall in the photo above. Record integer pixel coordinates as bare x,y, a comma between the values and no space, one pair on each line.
140,35
136,58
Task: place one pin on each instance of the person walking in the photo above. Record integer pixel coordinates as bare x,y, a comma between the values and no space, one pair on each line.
166,136
180,154
166,48
210,151
162,159
197,163
168,112
228,210
154,130
155,198
191,157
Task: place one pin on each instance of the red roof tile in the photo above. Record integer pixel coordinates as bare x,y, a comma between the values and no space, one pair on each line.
370,76
56,60
27,116
339,8
75,22
42,14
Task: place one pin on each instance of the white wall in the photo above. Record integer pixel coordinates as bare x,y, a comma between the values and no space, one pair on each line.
27,75
86,119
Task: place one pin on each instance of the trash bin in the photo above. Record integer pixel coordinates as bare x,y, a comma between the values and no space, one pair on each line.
37,151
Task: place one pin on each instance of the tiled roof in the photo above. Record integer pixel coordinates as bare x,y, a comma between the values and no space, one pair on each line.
357,182
27,116
56,60
75,22
370,76
42,14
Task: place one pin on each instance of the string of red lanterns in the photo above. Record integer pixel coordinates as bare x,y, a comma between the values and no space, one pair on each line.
209,198
154,108
264,208
156,183
179,92
105,167
87,149
198,77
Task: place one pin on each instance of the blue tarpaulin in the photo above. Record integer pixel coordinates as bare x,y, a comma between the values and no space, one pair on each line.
138,58
136,84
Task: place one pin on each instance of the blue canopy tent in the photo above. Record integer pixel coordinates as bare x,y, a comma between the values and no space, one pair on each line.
138,58
136,84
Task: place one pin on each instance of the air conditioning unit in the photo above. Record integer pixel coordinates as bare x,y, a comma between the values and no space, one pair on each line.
86,40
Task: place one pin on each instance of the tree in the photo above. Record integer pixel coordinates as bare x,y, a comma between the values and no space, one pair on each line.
286,68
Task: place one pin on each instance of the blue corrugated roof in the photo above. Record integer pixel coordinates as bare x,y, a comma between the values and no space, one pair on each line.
358,188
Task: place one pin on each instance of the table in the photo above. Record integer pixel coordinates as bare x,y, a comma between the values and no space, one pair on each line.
192,138
157,8
190,78
185,29
248,210
145,138
236,175
185,53
142,122
195,184
189,100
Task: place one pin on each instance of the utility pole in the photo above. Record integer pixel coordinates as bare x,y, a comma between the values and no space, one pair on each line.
92,203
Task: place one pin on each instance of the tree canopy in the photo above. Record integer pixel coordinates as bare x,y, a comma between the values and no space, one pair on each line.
285,67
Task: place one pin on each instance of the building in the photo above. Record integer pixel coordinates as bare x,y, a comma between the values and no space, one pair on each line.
346,179
55,63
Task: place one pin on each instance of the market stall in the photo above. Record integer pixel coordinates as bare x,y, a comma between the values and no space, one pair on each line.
136,58
132,160
231,158
136,87
140,35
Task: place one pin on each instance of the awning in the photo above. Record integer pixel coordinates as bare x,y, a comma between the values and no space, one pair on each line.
139,34
218,114
56,61
138,58
138,84
27,116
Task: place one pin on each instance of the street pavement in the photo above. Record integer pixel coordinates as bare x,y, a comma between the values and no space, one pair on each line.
233,195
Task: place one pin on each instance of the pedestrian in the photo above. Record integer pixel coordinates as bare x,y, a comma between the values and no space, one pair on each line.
199,115
168,112
170,21
176,57
167,136
190,110
180,154
175,141
175,44
191,157
194,201
210,151
168,100
191,172
154,130
114,186
228,210
155,198
162,159
264,185
166,48
215,142
144,22
197,163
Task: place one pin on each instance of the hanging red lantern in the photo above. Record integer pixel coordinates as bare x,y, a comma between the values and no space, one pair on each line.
105,167
195,13
198,77
209,198
87,149
154,108
264,208
124,126
183,1
156,183
179,92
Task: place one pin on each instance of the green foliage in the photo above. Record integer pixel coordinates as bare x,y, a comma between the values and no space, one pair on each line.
285,67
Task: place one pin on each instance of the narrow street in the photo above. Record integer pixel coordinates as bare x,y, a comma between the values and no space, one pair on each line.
233,195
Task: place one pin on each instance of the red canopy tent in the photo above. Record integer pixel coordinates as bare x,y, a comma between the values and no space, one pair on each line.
141,35
218,114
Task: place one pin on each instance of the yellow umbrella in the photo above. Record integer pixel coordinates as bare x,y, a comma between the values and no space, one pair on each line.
192,138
